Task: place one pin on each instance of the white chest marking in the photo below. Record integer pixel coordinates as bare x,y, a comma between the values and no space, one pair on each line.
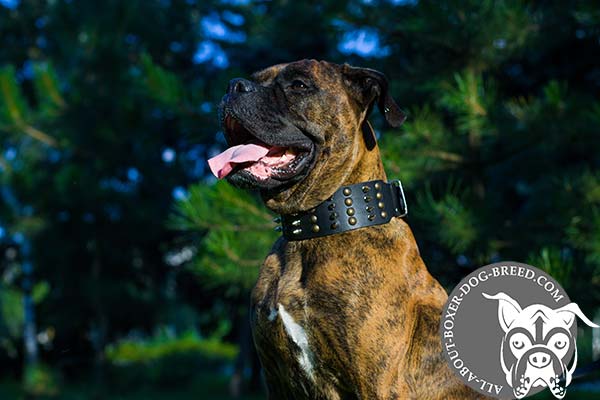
298,335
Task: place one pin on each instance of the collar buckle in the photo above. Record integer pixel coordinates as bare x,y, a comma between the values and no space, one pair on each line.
401,207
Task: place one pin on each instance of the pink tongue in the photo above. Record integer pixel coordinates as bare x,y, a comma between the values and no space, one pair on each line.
222,164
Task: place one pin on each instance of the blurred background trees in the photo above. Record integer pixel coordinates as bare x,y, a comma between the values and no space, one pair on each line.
139,265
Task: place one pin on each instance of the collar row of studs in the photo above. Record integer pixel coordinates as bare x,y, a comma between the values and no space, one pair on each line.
350,207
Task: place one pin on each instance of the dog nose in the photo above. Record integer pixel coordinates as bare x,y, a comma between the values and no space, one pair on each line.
539,359
240,85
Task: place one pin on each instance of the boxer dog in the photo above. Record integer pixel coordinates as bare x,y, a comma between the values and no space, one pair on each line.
344,307
537,345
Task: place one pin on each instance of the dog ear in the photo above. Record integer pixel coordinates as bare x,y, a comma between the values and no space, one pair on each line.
568,313
508,309
371,87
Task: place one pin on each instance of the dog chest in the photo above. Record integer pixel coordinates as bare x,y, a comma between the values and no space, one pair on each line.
285,347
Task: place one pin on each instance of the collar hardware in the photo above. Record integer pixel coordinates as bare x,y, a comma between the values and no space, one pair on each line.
350,207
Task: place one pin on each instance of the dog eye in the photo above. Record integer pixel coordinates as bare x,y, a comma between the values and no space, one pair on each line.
517,344
560,344
298,85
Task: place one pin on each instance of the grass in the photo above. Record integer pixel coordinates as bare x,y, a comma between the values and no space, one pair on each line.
206,387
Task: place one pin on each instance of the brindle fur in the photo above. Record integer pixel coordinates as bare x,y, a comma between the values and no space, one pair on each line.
365,299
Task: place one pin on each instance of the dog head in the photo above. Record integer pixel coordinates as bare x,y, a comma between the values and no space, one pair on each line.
537,344
295,130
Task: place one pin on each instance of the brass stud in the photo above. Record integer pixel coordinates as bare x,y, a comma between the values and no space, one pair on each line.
380,204
369,208
335,225
365,189
313,218
378,195
297,231
383,214
377,185
352,221
371,217
348,202
278,229
316,228
367,198
333,216
350,211
331,206
347,191
296,223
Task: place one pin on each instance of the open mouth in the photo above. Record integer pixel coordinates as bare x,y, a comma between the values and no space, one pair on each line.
257,159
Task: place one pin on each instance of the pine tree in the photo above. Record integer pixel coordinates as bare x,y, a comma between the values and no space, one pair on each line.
88,167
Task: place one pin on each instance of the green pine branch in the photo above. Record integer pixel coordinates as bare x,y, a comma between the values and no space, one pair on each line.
237,233
15,113
161,85
451,219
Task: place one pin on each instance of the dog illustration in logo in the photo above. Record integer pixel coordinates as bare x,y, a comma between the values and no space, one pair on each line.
537,345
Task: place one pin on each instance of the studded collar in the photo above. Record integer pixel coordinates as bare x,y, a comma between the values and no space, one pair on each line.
351,207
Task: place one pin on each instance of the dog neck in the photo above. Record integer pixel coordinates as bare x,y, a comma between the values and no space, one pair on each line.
351,207
368,168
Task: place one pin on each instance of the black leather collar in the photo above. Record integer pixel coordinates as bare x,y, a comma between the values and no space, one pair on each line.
351,207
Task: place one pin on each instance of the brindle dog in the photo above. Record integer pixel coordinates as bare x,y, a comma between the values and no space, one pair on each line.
348,316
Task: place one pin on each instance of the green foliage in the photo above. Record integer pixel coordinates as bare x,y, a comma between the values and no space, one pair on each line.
11,315
557,263
469,101
555,94
448,218
13,106
15,113
584,234
206,385
40,291
421,148
47,90
165,359
237,234
161,85
131,351
40,380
